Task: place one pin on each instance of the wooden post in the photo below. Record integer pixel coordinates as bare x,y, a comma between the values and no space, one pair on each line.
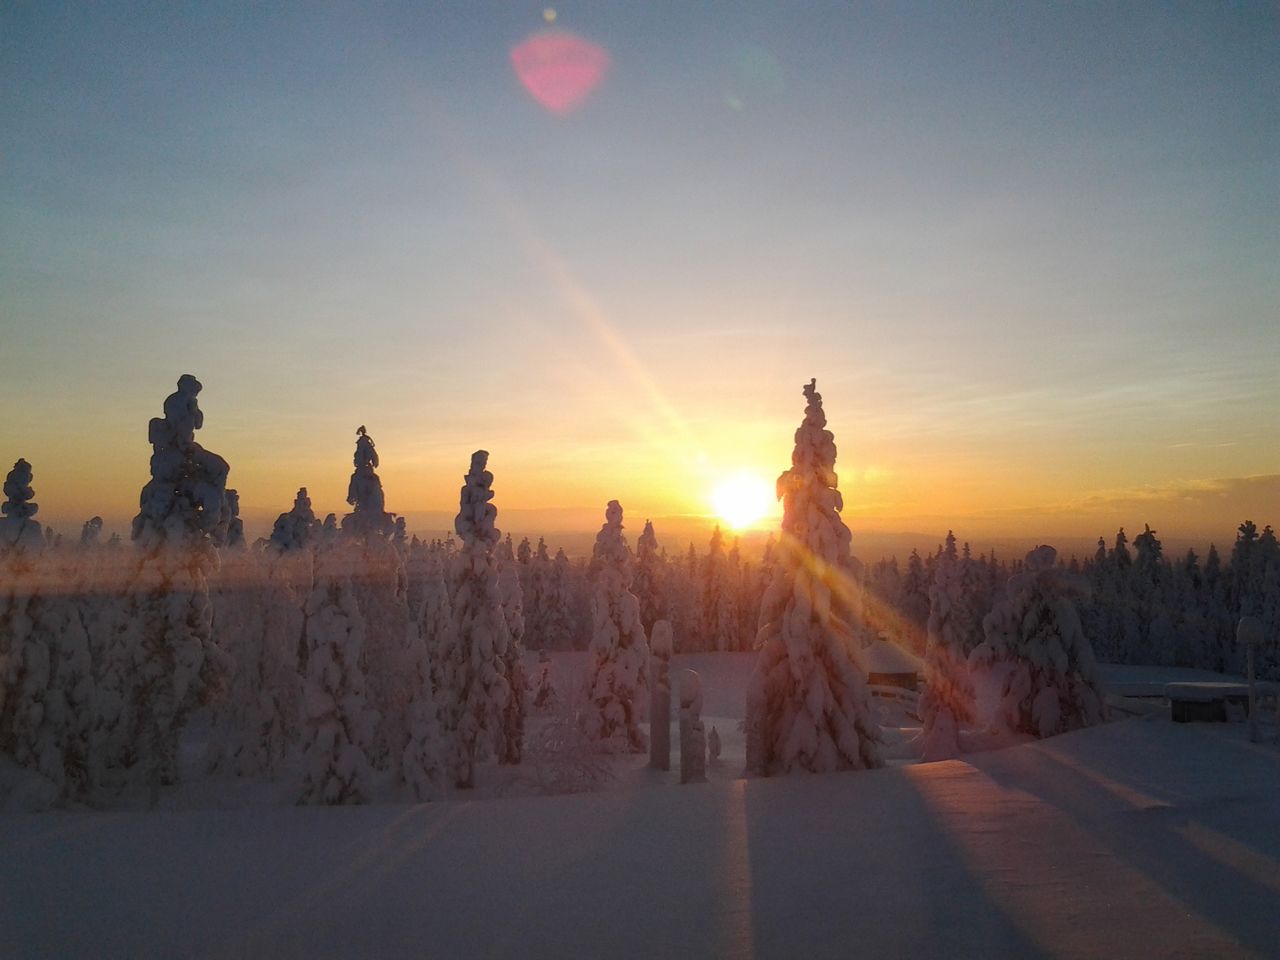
693,738
660,647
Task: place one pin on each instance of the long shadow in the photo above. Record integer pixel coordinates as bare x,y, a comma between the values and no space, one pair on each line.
858,865
1210,849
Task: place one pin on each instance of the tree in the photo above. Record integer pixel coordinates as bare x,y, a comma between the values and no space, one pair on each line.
369,518
46,681
808,707
947,701
719,601
297,528
1034,638
476,687
650,579
169,664
18,526
618,685
340,726
511,743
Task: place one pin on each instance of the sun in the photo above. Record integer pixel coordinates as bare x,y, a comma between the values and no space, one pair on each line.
742,499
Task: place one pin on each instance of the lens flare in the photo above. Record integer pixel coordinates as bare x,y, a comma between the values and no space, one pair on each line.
559,69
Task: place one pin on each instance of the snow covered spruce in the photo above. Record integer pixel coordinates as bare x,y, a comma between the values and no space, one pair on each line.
618,685
808,707
474,686
1034,643
46,680
947,701
163,663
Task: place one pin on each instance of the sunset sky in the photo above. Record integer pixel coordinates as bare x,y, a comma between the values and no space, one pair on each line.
1030,252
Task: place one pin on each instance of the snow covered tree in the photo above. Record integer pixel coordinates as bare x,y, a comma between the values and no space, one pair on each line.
259,620
511,744
46,682
718,598
650,579
475,688
18,526
913,601
297,528
1050,682
808,707
339,724
947,701
91,532
423,758
364,493
163,663
618,685
229,532
560,628
538,596
435,619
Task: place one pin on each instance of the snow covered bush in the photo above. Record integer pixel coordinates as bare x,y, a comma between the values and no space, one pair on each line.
808,707
618,685
1034,638
561,756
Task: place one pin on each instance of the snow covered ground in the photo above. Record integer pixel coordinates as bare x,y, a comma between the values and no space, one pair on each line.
1139,838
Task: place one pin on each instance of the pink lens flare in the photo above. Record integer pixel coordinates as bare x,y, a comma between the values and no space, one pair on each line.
559,69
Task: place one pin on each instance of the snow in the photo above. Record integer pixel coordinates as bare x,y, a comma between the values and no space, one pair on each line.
1136,838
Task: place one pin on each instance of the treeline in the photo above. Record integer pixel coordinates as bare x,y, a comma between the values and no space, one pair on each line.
1144,607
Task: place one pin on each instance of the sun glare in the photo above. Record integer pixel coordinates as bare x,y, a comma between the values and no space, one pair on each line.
742,500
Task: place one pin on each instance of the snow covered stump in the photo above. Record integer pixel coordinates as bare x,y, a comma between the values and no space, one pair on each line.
660,647
693,736
808,707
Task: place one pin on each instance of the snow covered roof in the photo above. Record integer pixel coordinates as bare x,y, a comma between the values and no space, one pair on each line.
884,656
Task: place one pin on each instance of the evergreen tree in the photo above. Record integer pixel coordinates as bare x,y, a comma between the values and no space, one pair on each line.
475,676
340,725
165,662
1050,683
650,579
511,744
369,518
298,528
618,685
947,701
808,707
18,526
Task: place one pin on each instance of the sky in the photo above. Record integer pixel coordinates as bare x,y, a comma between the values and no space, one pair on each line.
1030,251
